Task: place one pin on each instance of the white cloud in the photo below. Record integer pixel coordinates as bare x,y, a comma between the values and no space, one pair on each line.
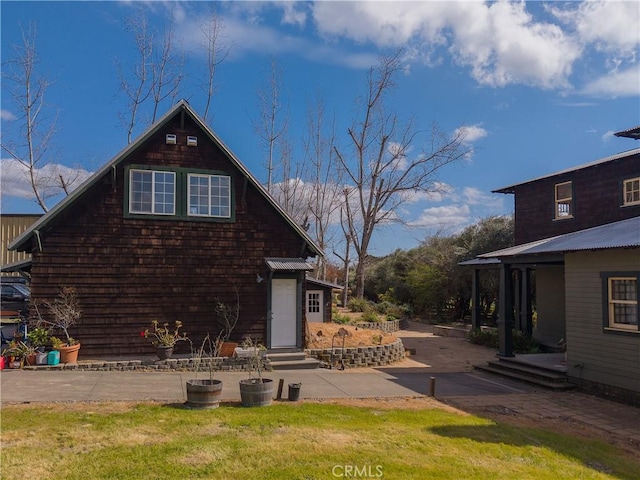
7,116
471,133
15,182
292,14
499,41
474,196
608,135
615,84
445,218
439,192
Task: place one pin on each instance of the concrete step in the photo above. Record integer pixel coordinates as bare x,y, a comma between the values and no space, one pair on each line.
529,370
524,377
286,356
306,364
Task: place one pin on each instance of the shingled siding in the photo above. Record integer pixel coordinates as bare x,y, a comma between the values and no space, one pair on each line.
596,356
597,200
130,271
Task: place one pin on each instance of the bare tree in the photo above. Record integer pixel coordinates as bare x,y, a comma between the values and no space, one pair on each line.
324,195
167,71
31,144
138,84
271,126
378,167
216,53
290,191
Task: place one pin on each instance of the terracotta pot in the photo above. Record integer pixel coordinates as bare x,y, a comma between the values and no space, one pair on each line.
69,354
164,352
30,359
227,349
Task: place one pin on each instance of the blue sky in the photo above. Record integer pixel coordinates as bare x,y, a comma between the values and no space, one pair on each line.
540,87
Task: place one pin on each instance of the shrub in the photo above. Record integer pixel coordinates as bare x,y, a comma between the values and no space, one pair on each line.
358,304
522,343
340,318
370,316
485,337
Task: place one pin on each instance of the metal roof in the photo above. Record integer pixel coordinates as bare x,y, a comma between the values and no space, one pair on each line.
631,133
287,264
19,266
323,283
621,234
629,153
182,105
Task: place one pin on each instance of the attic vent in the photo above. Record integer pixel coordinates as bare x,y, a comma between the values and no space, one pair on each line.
192,141
171,138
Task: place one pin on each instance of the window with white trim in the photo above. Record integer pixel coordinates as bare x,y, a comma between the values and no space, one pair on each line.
622,302
631,191
564,200
209,195
313,303
152,192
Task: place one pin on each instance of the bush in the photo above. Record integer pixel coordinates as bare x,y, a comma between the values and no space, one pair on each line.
485,337
522,343
359,305
370,316
340,318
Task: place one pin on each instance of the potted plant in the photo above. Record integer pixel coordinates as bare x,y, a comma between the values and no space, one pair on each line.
165,338
227,319
255,391
64,313
39,338
205,393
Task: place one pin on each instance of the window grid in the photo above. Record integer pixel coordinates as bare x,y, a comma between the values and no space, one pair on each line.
623,303
152,192
564,200
209,195
314,303
632,191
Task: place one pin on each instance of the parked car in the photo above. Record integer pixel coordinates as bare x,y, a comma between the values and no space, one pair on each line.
15,297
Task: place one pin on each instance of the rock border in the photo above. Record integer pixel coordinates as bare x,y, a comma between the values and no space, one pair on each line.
354,357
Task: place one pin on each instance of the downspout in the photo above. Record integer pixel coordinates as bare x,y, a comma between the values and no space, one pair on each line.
37,233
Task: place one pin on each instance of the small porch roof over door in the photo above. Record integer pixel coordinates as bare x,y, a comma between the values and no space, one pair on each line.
276,264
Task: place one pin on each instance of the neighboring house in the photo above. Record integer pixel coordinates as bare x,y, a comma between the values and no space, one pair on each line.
320,300
578,243
11,226
172,224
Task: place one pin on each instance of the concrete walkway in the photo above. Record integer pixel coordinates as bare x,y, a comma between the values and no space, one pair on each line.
447,360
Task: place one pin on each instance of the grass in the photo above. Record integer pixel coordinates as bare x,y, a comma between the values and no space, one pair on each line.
289,441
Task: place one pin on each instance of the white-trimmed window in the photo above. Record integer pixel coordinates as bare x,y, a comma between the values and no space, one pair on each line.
209,195
152,192
622,302
564,200
313,303
631,191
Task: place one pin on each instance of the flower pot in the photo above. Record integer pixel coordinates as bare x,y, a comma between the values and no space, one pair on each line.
227,349
164,352
255,392
69,353
294,392
30,359
203,394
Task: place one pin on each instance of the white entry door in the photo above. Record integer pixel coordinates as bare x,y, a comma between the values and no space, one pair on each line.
283,311
314,306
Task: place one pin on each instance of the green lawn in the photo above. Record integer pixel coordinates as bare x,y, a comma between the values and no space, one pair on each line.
288,441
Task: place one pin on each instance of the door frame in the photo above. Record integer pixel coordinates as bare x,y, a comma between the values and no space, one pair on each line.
299,305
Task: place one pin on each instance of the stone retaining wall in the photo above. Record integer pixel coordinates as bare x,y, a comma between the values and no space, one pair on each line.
389,326
187,364
371,356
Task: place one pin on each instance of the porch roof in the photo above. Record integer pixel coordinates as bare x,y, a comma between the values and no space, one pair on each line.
621,234
276,264
323,283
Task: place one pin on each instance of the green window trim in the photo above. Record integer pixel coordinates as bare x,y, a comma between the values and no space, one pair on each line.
181,200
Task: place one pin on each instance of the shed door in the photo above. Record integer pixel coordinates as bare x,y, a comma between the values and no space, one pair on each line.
283,311
315,302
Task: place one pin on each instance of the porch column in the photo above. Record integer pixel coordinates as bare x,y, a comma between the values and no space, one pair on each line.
475,299
526,315
517,298
505,312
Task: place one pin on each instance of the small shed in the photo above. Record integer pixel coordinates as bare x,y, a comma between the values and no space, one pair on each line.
320,299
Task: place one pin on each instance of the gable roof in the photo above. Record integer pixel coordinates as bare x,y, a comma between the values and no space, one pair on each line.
181,106
621,234
629,153
631,133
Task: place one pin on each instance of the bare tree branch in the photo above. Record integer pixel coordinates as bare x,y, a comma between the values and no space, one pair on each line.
216,54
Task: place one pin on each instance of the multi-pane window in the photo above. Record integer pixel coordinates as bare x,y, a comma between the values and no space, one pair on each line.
631,191
209,195
564,200
313,304
622,302
152,192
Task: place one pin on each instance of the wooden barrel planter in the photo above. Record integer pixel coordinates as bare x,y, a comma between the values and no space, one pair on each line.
256,392
203,394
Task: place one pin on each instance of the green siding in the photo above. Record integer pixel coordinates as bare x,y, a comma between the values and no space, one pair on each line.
595,355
